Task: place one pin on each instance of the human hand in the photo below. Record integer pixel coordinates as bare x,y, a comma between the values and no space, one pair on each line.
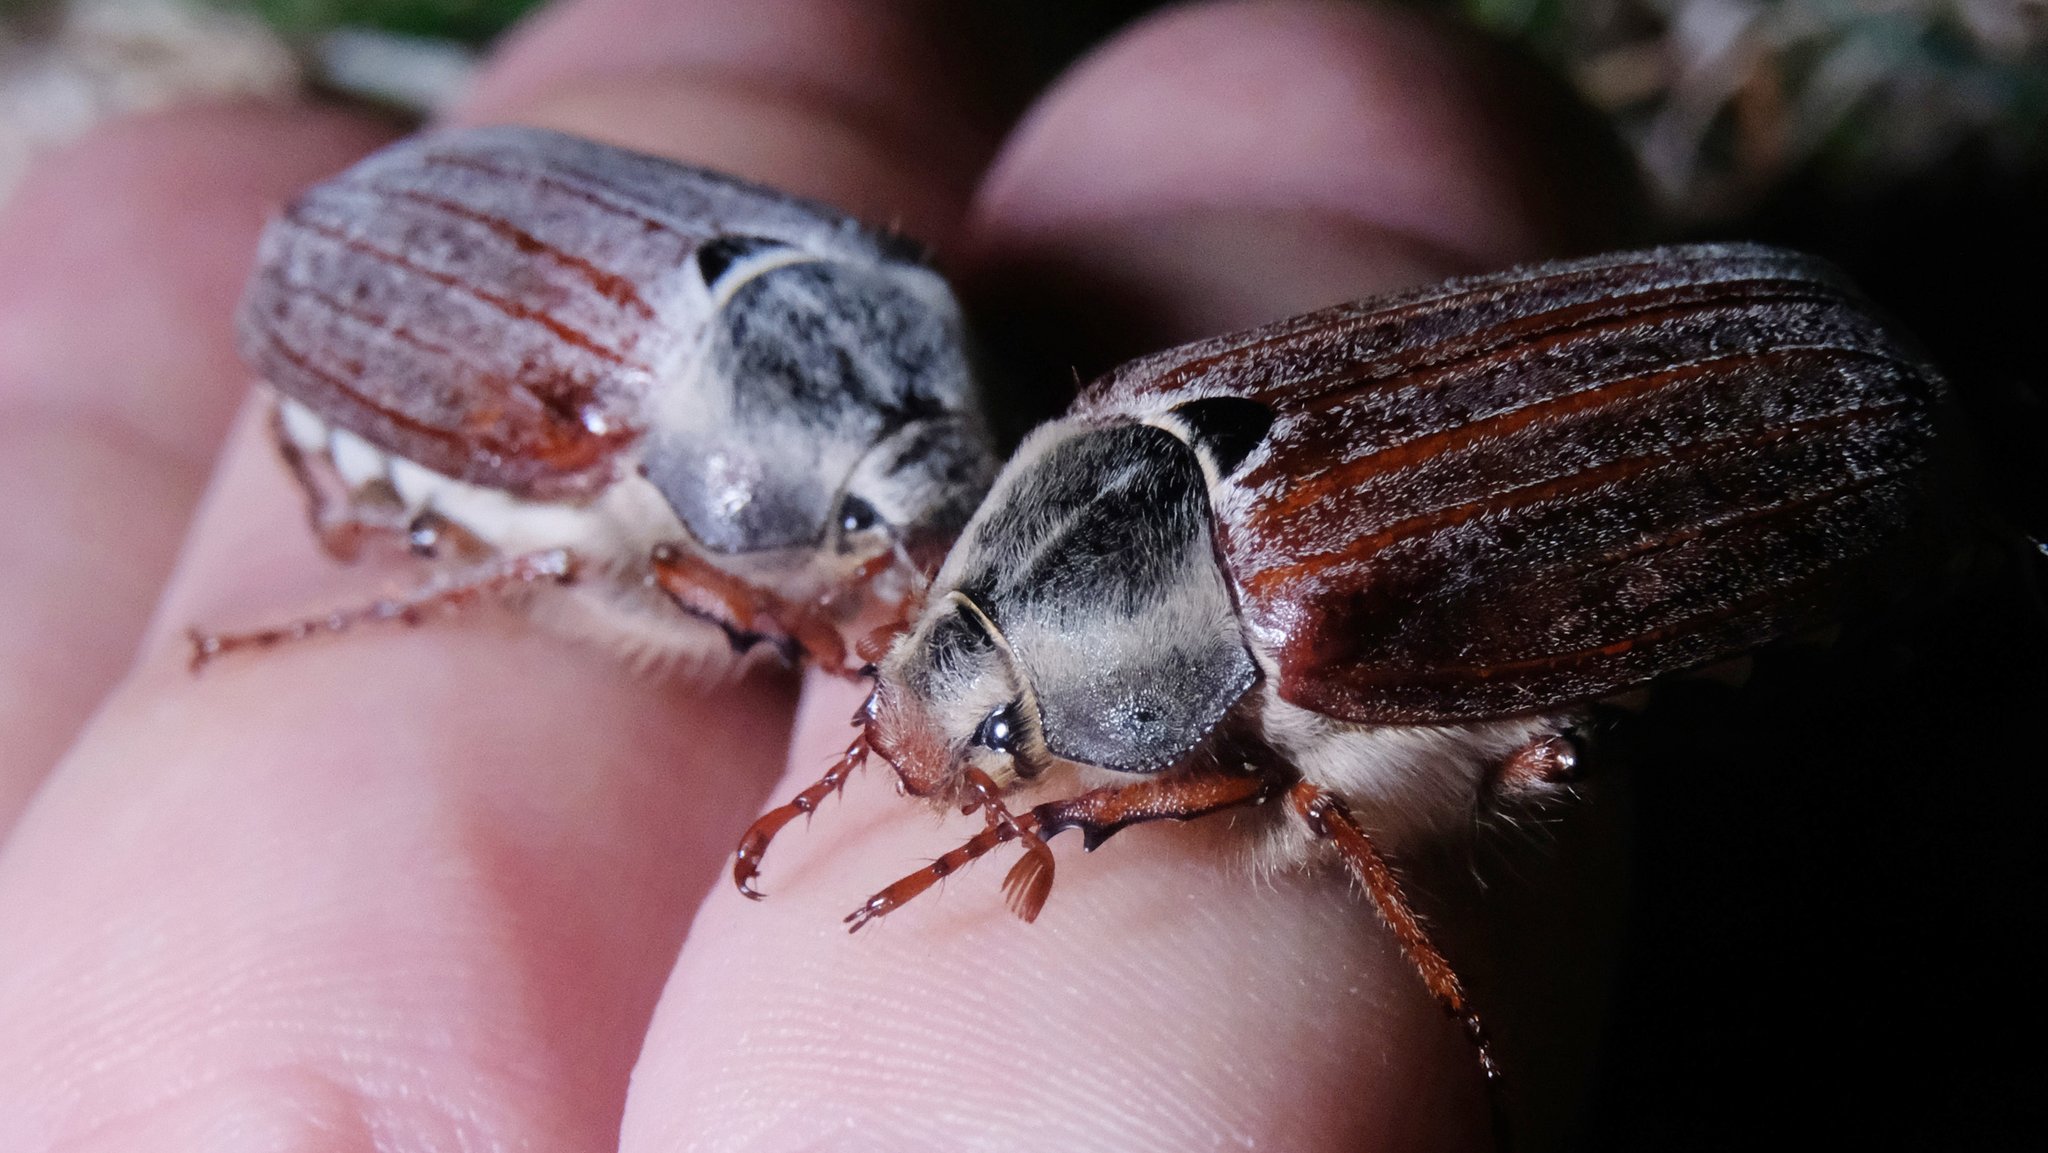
422,889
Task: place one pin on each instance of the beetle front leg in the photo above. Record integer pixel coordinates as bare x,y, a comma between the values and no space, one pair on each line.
892,898
749,615
746,861
1101,813
1097,813
1025,896
494,578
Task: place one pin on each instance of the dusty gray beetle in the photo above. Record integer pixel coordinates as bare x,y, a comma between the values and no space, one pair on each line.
538,360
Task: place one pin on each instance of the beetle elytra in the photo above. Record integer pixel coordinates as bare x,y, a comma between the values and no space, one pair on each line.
706,407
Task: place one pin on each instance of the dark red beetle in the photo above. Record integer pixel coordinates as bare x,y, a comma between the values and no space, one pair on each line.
1368,569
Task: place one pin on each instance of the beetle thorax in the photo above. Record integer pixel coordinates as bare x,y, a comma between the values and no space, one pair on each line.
765,434
1082,618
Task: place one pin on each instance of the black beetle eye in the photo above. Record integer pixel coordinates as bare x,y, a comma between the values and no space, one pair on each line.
856,515
719,254
998,731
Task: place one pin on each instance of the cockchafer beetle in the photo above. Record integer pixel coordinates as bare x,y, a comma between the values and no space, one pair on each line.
538,359
1378,563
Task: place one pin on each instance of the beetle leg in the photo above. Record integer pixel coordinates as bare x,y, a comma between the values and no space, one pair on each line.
1029,881
746,862
977,846
549,566
1027,884
749,615
340,521
1177,797
1098,813
345,518
1101,812
1329,820
1556,759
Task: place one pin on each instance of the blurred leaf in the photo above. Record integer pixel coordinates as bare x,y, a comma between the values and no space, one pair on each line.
468,21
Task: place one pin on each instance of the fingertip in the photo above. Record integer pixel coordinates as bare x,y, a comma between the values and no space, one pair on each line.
1226,164
1383,115
879,109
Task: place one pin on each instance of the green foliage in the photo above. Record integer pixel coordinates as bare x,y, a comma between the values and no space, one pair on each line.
469,21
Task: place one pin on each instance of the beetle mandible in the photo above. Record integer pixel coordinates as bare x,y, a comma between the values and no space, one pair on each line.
538,360
1375,565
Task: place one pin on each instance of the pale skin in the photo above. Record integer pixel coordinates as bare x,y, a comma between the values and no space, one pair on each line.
446,887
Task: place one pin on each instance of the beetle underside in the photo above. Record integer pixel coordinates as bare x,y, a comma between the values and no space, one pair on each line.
624,571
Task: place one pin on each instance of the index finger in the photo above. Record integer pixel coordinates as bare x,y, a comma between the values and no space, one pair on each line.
1165,999
419,888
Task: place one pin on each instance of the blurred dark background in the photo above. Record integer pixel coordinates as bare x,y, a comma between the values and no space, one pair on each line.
1837,912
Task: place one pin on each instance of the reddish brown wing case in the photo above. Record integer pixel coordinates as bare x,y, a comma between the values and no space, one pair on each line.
1511,493
496,303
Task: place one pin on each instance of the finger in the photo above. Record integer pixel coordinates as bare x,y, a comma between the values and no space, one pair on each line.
409,889
886,109
1120,218
124,256
1164,999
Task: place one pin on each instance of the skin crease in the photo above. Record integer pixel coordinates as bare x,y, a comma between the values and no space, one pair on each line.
421,889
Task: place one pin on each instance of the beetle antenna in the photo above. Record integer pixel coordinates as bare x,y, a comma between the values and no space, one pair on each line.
1029,881
872,648
918,581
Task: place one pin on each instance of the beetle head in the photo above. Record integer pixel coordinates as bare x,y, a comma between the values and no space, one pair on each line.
951,697
828,412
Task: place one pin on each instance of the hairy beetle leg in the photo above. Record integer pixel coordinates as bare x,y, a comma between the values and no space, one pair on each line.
746,862
493,578
1097,813
1328,818
1558,759
892,898
1029,881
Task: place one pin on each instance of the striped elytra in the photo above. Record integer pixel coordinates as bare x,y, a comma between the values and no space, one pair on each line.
509,343
1514,492
497,304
